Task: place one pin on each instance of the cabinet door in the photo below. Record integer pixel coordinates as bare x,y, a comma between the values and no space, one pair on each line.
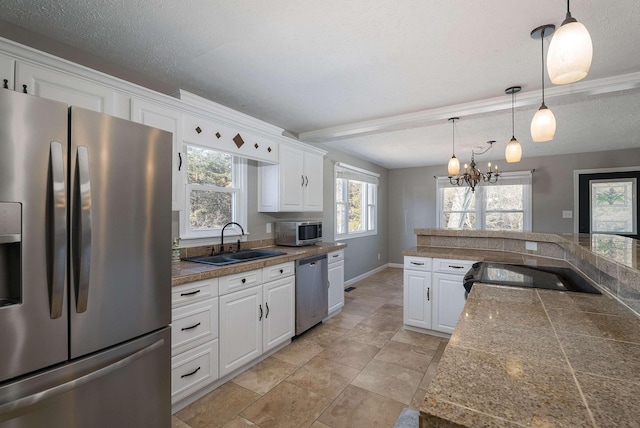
291,179
336,285
66,88
417,298
313,175
7,69
448,301
240,328
278,321
167,119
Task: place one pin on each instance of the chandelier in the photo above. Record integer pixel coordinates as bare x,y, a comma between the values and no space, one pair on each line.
472,175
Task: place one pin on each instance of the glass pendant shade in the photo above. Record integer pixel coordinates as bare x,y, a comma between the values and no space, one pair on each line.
543,125
454,166
570,53
513,152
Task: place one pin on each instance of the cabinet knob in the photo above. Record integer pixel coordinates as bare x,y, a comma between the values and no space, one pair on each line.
281,270
6,84
244,280
24,88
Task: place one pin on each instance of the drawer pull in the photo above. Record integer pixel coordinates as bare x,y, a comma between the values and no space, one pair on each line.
428,293
190,328
190,374
417,264
260,319
456,267
335,255
244,280
190,293
267,305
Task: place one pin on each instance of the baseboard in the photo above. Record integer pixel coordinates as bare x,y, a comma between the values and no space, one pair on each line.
396,265
368,274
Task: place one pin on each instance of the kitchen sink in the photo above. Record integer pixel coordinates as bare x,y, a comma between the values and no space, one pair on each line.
238,257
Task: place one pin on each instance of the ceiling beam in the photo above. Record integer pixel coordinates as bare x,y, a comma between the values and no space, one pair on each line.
425,117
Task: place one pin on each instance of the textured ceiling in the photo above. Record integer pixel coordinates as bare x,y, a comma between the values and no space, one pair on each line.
306,66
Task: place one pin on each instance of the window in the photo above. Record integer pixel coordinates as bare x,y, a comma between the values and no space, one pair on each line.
505,205
215,191
356,201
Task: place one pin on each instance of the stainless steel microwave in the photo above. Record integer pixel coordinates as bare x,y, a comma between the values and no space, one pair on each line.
298,233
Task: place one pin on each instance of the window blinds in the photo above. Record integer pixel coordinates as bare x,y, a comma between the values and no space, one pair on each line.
349,172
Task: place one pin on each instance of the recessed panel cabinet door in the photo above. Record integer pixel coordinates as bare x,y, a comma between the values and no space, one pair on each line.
336,286
7,68
291,179
66,88
417,298
448,301
313,175
241,316
278,321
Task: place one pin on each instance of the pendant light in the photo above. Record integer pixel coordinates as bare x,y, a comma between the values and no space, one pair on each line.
513,152
570,52
543,125
454,163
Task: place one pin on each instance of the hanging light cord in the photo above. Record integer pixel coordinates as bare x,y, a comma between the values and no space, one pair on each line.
513,123
542,63
453,137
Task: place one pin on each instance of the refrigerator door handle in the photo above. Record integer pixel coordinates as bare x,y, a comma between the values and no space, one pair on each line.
33,399
58,234
83,217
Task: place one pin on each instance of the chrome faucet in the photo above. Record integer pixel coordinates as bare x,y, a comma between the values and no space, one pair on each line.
222,235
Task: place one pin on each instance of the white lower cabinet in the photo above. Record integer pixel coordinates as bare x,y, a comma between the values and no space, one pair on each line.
335,268
257,319
433,292
194,337
417,299
240,328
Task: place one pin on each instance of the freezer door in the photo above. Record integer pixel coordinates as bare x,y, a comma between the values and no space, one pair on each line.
126,386
33,236
120,193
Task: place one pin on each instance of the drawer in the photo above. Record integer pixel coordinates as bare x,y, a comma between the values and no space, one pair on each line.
240,281
335,256
193,325
456,267
193,370
417,263
274,272
194,292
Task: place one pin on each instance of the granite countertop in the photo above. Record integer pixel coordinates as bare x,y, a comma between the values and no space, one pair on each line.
183,271
531,357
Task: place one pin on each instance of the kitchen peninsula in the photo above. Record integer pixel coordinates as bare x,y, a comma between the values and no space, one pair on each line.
532,357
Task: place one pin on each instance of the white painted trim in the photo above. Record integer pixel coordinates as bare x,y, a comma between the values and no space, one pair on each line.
355,168
425,331
425,117
366,275
396,265
576,185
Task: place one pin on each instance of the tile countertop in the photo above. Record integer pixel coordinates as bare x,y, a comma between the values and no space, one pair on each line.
183,271
531,357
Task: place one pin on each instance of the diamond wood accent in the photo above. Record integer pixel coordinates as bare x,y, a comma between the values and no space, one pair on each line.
256,145
198,130
218,135
238,140
269,149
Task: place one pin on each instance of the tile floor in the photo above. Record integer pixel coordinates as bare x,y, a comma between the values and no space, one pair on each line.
359,369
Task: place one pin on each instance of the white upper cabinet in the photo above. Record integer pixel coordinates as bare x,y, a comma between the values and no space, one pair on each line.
222,136
170,120
7,68
64,87
294,184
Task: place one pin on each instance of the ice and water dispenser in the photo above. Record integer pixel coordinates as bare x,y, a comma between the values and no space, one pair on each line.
10,253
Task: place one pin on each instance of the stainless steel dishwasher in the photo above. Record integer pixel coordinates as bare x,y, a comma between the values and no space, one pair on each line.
312,292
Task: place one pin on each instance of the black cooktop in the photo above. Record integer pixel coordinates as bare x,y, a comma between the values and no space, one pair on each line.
547,277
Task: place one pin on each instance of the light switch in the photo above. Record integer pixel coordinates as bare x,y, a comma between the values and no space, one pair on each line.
532,246
567,214
268,227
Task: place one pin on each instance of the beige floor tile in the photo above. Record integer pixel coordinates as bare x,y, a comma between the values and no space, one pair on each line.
389,380
418,398
265,375
350,353
218,407
359,309
370,335
286,406
240,422
177,423
425,341
323,377
429,374
318,424
298,352
324,335
345,320
359,408
384,321
405,355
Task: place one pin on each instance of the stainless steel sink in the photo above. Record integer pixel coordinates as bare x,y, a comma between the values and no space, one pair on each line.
231,258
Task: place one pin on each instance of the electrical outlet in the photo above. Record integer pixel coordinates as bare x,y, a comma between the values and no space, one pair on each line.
567,214
533,246
268,227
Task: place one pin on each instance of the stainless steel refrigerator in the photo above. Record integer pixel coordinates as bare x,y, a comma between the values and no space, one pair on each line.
85,269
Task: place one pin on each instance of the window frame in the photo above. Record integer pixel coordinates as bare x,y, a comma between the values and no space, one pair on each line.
506,178
239,197
370,184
